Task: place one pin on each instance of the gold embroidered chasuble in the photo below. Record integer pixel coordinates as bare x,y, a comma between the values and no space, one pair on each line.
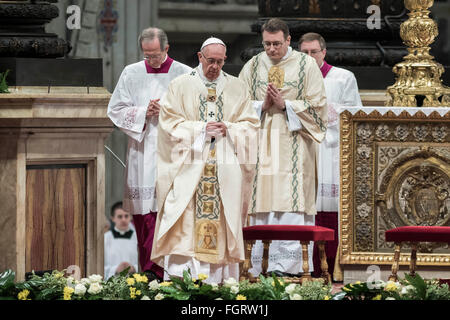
286,179
203,189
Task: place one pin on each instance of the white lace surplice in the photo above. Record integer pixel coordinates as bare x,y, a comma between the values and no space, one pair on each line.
127,109
341,89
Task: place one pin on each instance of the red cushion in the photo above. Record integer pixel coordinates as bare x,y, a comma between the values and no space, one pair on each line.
288,232
419,233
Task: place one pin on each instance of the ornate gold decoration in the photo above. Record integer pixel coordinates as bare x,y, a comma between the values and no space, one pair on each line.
395,170
418,75
276,76
207,237
418,192
211,95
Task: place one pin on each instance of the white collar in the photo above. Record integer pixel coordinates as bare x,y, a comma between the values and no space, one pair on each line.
206,80
288,53
121,232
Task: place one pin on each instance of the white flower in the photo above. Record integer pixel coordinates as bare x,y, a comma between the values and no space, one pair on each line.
145,298
214,286
86,281
230,282
407,289
95,278
290,288
159,296
377,284
80,289
218,299
154,285
70,281
95,288
390,298
296,296
234,289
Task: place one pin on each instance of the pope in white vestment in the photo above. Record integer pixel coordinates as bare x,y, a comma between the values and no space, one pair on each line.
207,138
139,88
288,93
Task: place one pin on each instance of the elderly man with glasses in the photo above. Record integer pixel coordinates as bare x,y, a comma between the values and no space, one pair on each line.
288,93
134,109
341,89
207,148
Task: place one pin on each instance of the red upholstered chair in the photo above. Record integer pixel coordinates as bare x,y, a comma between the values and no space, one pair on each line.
414,235
304,234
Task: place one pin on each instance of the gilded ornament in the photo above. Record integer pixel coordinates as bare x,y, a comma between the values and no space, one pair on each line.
418,76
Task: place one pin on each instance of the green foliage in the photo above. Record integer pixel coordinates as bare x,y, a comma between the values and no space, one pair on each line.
3,84
314,290
7,286
409,288
125,286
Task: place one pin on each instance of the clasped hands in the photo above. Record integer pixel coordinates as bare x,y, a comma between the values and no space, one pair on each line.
215,129
273,98
153,108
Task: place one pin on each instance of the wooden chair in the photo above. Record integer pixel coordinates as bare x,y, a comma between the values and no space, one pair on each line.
304,234
414,235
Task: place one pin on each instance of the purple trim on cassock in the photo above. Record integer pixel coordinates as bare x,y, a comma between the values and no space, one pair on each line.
164,68
145,231
325,68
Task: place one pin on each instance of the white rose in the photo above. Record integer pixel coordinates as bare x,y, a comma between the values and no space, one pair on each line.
95,278
410,288
390,298
296,296
234,289
95,288
154,285
70,281
214,286
230,282
159,296
80,289
145,298
290,288
86,281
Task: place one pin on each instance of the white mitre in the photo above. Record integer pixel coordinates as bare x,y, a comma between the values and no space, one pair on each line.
212,40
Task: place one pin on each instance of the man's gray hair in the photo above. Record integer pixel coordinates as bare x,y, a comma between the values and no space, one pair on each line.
311,36
151,33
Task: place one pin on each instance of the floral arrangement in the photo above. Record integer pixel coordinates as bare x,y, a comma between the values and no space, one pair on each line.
55,286
409,288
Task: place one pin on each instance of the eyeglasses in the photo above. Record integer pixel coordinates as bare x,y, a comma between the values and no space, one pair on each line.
275,44
213,61
311,52
153,57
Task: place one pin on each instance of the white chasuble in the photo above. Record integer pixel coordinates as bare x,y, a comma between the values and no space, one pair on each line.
127,110
285,186
286,172
203,186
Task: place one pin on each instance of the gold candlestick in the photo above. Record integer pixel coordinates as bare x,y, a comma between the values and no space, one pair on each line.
418,76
